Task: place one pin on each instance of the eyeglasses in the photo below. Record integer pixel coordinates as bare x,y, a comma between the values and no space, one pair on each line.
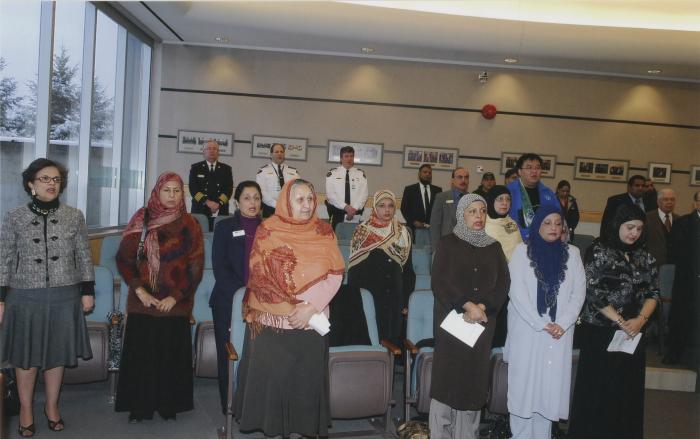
46,179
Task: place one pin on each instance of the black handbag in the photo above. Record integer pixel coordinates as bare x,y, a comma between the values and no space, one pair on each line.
10,393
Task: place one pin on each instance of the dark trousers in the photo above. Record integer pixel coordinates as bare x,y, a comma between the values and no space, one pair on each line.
222,333
336,215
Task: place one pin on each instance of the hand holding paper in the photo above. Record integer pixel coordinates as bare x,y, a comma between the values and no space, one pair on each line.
468,333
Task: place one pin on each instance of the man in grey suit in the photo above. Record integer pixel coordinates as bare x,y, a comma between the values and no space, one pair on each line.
659,224
442,217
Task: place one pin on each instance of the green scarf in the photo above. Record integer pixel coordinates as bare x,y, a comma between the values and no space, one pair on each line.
528,211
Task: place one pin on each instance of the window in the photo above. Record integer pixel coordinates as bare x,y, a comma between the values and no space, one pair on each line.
67,101
19,58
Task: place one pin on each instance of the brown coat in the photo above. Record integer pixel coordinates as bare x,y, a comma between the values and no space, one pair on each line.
659,240
463,273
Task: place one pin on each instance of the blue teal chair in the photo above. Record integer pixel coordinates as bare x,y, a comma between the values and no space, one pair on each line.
108,253
422,259
419,359
344,231
207,252
422,238
203,221
204,341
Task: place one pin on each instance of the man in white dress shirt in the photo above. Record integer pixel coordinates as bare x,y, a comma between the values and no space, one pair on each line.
346,189
272,177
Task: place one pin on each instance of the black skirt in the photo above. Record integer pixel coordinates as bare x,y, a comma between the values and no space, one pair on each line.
156,367
609,392
283,383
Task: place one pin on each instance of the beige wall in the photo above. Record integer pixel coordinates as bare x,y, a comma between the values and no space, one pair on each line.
358,79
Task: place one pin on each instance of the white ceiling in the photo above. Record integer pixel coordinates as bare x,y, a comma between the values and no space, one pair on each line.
633,36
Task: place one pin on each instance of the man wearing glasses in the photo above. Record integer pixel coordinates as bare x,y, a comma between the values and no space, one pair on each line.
528,193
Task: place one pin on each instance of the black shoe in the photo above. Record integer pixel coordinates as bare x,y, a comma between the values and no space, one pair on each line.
59,425
133,419
27,431
169,416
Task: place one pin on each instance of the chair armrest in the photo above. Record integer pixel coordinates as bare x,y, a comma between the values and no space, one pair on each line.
231,353
391,347
408,344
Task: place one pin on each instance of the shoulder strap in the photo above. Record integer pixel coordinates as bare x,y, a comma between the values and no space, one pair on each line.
140,251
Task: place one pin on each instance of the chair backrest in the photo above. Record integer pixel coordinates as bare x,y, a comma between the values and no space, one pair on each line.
201,311
422,259
667,274
345,251
419,323
237,325
422,238
370,316
108,253
218,218
583,242
104,294
202,220
207,253
123,295
344,231
422,282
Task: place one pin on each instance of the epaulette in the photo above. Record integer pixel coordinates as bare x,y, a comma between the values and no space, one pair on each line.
363,172
260,170
330,173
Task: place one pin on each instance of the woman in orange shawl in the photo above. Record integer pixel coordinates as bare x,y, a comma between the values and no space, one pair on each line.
295,270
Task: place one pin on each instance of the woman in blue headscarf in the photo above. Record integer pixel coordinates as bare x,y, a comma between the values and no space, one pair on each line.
547,290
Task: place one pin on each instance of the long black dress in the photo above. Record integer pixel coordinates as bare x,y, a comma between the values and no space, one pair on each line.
390,286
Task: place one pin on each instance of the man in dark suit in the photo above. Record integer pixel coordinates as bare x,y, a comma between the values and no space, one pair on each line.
650,195
443,216
659,224
633,197
211,184
418,199
684,319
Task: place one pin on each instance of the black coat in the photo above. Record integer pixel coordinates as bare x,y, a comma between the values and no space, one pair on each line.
412,204
611,207
204,186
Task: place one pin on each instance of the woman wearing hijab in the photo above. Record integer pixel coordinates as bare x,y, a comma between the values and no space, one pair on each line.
295,269
469,276
622,293
233,242
547,290
503,229
380,261
161,257
47,286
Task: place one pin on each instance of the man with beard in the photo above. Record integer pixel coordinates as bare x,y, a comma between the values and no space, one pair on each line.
417,201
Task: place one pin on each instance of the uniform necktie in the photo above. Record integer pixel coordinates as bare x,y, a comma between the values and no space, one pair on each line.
667,223
280,176
211,169
347,186
639,204
426,198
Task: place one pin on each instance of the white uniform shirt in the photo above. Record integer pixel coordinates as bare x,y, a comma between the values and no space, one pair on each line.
269,181
335,187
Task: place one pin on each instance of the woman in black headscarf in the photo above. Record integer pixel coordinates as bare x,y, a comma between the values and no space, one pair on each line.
621,294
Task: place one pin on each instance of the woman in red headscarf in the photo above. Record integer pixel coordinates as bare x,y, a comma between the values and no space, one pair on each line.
161,257
295,270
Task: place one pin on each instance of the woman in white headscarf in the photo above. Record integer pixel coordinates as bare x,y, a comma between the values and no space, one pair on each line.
470,276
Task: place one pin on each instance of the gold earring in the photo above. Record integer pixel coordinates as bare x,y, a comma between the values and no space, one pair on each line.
33,192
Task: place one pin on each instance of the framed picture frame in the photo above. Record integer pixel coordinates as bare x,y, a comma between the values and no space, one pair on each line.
695,175
444,159
549,163
294,147
192,142
660,172
610,170
371,154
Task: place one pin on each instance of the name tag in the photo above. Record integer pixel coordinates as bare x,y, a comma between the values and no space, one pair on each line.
449,201
200,175
237,233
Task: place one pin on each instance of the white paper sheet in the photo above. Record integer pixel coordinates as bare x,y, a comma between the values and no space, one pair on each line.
466,332
622,343
319,323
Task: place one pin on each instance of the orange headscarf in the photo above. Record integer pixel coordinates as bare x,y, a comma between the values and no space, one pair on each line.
289,256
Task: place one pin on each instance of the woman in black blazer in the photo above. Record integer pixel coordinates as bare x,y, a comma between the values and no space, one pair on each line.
233,241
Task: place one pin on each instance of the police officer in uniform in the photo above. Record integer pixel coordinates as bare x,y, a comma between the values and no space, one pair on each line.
272,177
346,189
211,184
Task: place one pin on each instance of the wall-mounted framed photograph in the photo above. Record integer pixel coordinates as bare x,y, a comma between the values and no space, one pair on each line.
192,142
365,153
549,163
439,158
295,147
660,172
587,168
695,175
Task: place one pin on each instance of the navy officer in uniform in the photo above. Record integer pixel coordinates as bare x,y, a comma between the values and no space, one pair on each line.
272,177
211,184
346,189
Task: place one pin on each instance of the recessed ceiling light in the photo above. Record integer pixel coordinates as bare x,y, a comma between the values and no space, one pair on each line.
222,40
654,71
368,50
511,60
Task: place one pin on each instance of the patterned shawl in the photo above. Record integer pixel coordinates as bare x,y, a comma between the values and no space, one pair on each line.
477,238
289,256
392,237
158,215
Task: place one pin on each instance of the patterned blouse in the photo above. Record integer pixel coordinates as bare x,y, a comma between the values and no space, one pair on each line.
612,280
